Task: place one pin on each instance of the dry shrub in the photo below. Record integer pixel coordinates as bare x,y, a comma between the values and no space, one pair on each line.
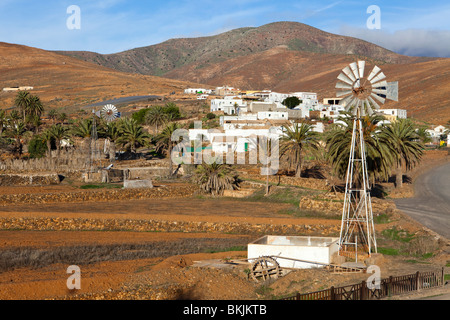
81,255
422,245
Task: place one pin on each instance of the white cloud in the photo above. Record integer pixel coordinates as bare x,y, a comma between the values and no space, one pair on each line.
411,42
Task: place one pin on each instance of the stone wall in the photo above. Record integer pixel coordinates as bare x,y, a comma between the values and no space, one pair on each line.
83,224
332,204
98,195
310,183
28,179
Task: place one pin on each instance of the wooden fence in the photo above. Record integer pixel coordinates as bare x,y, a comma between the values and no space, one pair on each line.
387,287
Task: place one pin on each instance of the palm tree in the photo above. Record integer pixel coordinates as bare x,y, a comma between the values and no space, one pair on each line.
83,129
17,132
133,135
295,139
215,178
401,138
267,149
62,116
34,122
423,135
59,133
22,101
156,116
34,106
52,114
112,132
14,116
164,143
378,155
47,137
3,121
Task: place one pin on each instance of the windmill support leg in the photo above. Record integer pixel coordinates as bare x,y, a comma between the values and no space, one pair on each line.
357,229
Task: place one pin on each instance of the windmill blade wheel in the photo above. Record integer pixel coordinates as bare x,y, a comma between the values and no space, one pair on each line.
264,269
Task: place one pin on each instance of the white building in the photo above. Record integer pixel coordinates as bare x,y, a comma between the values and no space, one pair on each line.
275,115
228,105
277,97
305,95
396,113
440,129
197,91
263,95
232,140
436,132
17,89
203,97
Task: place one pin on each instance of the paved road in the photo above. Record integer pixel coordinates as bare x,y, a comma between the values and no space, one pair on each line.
431,206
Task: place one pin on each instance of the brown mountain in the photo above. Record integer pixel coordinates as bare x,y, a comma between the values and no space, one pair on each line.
62,81
202,52
287,56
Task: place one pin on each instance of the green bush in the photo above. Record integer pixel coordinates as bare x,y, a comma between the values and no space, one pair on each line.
172,111
139,116
291,102
37,148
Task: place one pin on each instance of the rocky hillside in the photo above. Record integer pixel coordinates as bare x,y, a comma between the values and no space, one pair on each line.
202,52
285,57
62,81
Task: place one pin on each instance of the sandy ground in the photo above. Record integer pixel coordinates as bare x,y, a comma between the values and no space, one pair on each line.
170,275
161,277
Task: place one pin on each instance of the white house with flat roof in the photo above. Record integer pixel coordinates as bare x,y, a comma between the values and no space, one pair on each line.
396,113
228,105
197,91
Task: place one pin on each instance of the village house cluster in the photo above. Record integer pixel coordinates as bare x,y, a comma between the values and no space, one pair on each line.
245,115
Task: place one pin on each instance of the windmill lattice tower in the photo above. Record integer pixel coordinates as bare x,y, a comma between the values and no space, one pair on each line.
361,96
109,113
94,151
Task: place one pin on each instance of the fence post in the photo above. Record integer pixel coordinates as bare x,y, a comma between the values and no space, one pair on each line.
389,293
332,297
363,295
417,281
298,296
443,275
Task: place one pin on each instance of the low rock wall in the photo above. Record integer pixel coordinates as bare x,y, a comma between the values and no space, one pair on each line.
82,224
28,179
332,204
310,183
98,195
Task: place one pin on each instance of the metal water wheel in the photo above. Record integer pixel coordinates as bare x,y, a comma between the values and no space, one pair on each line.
265,268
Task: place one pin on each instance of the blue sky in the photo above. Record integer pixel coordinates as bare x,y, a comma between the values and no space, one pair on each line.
108,26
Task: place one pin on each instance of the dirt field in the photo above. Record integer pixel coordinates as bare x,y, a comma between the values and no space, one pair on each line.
160,265
154,265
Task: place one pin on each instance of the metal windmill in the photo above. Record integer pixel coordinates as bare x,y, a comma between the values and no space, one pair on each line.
108,113
361,96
